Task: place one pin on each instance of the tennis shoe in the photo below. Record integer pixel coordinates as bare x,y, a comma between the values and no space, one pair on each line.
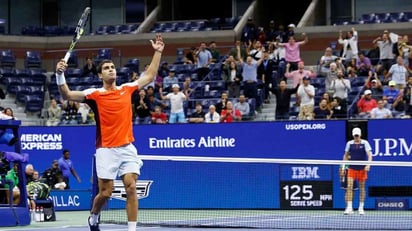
348,211
93,227
361,211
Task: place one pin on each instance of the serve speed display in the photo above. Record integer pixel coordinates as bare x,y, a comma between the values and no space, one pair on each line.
305,187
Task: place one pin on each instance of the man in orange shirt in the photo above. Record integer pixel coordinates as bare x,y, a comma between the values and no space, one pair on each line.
115,153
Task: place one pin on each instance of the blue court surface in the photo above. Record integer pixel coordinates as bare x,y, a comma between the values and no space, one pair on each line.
277,220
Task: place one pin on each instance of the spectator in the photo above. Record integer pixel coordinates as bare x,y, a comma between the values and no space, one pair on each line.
36,190
12,181
177,98
141,106
230,114
298,74
70,112
407,98
238,49
233,77
190,56
212,116
365,104
265,73
67,168
249,73
244,107
340,86
398,73
322,111
256,50
271,32
292,50
29,173
89,69
163,69
385,53
339,109
134,75
350,45
306,94
158,116
214,51
324,63
380,112
390,94
291,30
203,58
54,113
169,80
86,114
374,84
249,32
50,176
221,105
404,49
373,55
198,116
283,96
8,111
363,64
188,86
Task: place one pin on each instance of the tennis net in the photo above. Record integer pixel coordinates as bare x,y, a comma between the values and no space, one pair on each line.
265,194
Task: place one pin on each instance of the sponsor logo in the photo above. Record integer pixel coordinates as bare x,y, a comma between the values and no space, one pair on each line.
41,141
142,189
391,147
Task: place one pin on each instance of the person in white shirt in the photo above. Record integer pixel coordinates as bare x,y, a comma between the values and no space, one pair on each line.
306,94
381,112
350,44
177,98
399,73
212,116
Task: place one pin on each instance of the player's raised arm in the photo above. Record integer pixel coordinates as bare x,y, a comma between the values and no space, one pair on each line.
65,91
151,72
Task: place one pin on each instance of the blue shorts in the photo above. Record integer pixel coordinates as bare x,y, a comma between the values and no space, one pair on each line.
178,117
114,162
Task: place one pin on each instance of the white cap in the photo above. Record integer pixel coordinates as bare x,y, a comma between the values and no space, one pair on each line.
356,131
292,25
367,92
175,85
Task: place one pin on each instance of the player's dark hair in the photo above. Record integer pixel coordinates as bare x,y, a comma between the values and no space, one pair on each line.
99,67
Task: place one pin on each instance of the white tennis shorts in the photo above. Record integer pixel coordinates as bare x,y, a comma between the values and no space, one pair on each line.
113,162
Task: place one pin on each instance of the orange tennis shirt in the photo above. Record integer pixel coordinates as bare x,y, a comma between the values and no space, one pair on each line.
113,114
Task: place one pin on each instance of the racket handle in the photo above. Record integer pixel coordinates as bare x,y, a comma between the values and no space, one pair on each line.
67,56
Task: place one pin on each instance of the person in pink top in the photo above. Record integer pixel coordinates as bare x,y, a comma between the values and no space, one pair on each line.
298,74
292,50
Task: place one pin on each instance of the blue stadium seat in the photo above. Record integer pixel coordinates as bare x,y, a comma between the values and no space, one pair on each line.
32,59
7,58
133,64
103,53
52,31
33,104
22,73
101,30
73,61
21,92
74,72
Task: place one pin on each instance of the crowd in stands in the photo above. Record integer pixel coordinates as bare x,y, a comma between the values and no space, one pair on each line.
264,65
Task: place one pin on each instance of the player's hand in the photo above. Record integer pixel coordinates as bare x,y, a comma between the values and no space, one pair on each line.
158,44
341,172
61,67
367,168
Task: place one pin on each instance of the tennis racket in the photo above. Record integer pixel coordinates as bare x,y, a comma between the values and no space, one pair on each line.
78,32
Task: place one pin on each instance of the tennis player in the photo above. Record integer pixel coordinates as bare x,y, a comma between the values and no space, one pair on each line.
115,153
360,150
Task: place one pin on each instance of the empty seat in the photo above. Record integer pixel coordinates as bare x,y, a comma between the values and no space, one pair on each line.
103,53
133,64
32,59
7,58
33,104
74,72
73,61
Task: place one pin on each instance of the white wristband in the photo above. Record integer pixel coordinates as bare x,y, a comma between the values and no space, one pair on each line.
60,79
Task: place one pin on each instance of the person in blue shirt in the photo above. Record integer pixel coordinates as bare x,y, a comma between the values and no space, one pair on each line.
390,94
66,166
358,150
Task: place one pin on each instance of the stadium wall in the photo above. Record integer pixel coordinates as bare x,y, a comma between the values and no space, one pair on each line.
258,142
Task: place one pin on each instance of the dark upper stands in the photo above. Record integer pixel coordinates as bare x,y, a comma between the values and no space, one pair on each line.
385,17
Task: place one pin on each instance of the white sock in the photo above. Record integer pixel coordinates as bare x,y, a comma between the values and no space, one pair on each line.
361,205
349,204
95,219
131,225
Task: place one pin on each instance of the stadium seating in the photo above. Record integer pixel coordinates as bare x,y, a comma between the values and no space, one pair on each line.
73,61
103,53
133,64
34,103
7,58
32,59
